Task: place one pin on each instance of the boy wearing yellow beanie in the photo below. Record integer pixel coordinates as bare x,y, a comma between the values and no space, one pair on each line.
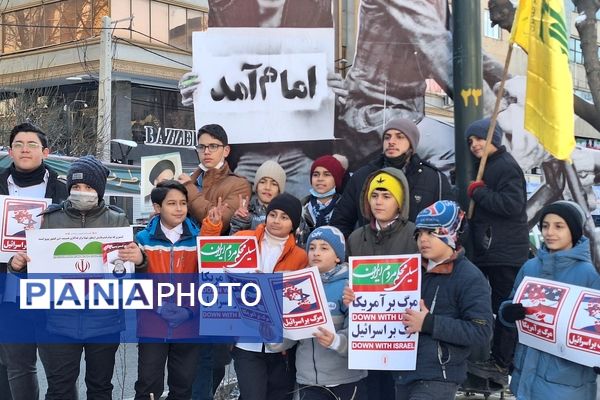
385,203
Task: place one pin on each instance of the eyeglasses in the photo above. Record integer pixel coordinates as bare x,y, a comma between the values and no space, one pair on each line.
211,147
30,145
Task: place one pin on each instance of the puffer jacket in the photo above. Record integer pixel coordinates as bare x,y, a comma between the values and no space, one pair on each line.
538,375
318,365
459,300
216,183
84,324
292,258
164,257
427,185
498,227
397,238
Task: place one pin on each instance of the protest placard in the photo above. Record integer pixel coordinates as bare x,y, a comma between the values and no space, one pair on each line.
252,315
19,215
220,253
385,286
74,251
305,306
155,169
265,84
561,319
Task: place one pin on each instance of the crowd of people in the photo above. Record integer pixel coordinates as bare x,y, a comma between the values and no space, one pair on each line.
396,204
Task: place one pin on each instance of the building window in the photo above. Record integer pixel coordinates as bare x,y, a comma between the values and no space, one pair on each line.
489,30
159,23
575,54
50,24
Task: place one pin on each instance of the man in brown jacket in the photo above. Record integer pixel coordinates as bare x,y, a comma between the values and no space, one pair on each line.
213,180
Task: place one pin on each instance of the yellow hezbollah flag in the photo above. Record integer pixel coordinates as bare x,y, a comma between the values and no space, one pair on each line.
540,29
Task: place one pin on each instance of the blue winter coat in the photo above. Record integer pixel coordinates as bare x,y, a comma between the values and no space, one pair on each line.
542,376
458,298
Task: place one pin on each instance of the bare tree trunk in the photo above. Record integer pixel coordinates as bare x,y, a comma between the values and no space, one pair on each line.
589,46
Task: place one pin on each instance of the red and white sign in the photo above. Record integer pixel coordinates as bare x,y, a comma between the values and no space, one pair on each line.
561,319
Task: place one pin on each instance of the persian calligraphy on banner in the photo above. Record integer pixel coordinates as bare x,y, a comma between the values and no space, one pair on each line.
385,286
19,215
305,306
220,253
77,251
561,319
265,84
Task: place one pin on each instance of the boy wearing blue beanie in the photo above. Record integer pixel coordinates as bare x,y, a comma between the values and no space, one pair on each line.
322,362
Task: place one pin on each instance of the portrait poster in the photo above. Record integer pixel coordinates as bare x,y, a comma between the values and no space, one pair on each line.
560,319
305,306
385,287
19,215
155,169
221,253
74,251
265,84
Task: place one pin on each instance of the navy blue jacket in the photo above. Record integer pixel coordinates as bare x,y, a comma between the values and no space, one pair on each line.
458,298
426,185
499,224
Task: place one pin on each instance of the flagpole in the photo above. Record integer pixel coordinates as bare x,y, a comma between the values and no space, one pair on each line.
490,132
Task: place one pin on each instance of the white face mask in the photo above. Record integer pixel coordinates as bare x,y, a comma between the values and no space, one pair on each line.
83,201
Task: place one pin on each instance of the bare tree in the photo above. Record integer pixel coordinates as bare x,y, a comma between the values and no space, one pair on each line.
69,123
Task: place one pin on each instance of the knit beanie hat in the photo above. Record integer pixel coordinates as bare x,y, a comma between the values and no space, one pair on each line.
408,128
270,169
331,235
159,167
443,218
289,205
216,131
335,165
387,182
480,128
88,170
571,212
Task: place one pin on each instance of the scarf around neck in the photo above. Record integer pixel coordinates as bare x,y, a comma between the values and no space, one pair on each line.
27,179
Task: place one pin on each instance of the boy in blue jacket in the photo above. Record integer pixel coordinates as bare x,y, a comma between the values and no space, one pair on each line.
455,309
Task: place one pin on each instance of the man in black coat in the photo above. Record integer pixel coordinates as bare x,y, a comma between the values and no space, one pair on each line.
500,236
27,176
426,183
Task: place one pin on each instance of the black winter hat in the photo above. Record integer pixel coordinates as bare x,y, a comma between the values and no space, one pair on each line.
571,212
289,205
216,131
158,169
480,128
88,170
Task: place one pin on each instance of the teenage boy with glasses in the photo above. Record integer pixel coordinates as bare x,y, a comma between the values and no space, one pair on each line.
213,180
27,176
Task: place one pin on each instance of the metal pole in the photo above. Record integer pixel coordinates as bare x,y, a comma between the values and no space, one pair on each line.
104,91
468,86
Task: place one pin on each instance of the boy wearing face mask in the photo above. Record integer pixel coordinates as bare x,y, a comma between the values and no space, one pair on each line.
73,331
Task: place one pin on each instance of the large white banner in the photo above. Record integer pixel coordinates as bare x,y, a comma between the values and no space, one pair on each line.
561,319
265,84
78,251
